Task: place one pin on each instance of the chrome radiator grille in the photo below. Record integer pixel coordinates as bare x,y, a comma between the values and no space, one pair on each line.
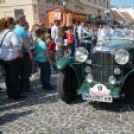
103,58
102,73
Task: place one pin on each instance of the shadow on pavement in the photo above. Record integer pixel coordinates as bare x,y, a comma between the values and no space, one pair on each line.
38,96
118,105
12,117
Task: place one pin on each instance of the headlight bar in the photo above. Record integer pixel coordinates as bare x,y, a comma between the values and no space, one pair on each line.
81,54
121,57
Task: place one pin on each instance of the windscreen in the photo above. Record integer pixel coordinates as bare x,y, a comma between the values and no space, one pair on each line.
108,36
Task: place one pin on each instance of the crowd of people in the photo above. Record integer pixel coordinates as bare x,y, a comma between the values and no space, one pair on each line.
22,51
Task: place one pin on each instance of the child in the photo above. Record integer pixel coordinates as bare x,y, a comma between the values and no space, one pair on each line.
43,59
51,47
70,40
59,45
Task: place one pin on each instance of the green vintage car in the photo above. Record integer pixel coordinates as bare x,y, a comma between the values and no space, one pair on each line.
109,74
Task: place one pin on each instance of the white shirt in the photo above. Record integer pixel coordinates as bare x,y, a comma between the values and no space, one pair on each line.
10,45
54,31
80,31
59,40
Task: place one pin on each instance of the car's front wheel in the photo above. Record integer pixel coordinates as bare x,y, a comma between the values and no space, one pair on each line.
67,85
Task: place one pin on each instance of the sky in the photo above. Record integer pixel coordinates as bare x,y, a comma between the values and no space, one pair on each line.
120,3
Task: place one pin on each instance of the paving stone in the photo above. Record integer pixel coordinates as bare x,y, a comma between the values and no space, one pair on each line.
43,112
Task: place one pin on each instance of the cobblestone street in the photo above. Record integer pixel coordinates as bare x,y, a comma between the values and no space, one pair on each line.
43,112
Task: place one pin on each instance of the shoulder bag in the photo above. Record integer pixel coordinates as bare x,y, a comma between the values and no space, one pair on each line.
3,38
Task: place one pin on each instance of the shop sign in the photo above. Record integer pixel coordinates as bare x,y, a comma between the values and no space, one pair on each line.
41,12
57,14
79,7
54,2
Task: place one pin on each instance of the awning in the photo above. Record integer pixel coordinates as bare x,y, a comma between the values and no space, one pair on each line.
121,22
97,21
118,22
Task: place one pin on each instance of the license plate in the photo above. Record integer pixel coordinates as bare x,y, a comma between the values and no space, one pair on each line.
86,96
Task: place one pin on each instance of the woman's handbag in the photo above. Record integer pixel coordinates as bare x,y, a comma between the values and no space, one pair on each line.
3,38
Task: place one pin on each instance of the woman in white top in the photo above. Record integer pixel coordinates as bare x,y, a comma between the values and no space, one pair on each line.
10,52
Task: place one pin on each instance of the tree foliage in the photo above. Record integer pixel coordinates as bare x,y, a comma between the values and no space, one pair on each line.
131,23
112,6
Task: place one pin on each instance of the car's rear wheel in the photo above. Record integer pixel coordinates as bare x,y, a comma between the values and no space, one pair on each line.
67,85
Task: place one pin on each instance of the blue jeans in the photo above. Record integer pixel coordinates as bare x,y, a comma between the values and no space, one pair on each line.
76,42
79,43
45,74
89,48
72,49
94,42
58,54
52,56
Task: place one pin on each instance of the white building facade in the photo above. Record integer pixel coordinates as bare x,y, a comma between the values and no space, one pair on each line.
130,10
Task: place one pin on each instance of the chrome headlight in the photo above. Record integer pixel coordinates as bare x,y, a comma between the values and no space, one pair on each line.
117,71
89,78
121,57
81,54
112,80
87,69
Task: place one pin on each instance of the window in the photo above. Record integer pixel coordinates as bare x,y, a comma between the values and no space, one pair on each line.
100,2
18,12
35,10
89,16
95,2
2,1
104,3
